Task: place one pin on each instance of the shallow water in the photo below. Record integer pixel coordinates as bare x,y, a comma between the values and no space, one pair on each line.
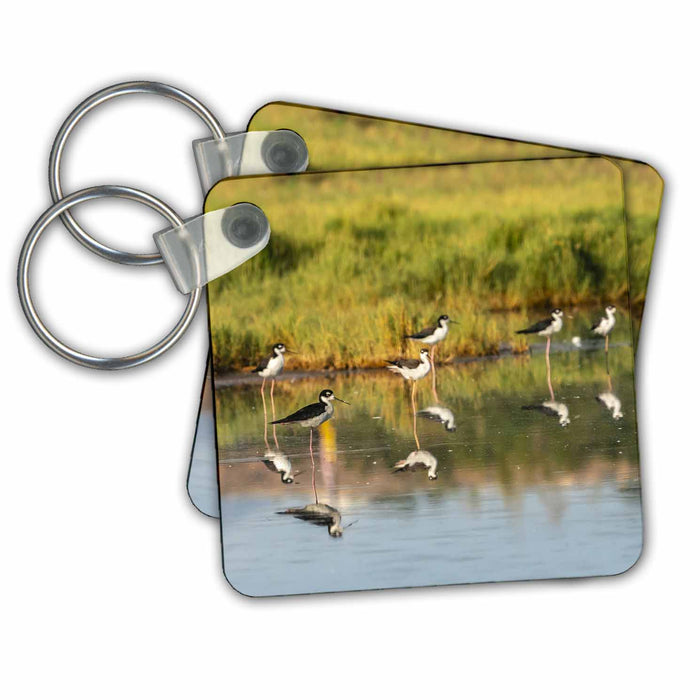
517,495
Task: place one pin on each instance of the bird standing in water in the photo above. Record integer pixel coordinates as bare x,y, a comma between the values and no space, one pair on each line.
432,335
547,328
312,416
412,370
269,368
272,365
605,325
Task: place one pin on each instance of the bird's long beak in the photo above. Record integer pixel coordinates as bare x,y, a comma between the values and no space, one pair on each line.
292,352
341,401
453,321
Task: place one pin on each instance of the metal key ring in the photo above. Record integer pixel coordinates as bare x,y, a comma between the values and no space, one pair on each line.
100,97
28,305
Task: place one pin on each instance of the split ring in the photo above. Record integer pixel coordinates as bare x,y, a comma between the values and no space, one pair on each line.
100,97
60,208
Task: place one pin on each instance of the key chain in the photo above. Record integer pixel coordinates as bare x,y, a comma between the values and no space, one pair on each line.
368,252
222,155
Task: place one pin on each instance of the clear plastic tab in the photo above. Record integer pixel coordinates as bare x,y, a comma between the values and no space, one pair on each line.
213,244
249,153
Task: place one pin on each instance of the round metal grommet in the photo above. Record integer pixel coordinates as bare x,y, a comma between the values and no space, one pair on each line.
25,258
284,151
100,97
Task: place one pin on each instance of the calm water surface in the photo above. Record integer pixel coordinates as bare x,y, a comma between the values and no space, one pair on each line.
519,494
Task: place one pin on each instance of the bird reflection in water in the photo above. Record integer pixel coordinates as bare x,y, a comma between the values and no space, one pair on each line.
318,514
278,462
612,403
557,409
609,399
439,414
418,459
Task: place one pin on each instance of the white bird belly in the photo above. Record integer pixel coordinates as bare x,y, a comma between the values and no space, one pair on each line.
412,374
421,371
553,328
605,326
274,367
436,337
318,420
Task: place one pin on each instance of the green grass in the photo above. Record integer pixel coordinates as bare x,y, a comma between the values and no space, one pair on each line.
338,141
357,260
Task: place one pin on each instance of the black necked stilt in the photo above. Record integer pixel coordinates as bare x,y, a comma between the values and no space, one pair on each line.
441,414
412,370
552,408
269,368
418,459
279,463
605,325
432,335
318,514
312,416
547,328
272,365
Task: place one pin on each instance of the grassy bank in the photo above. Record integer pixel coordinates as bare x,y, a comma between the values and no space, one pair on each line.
357,260
338,141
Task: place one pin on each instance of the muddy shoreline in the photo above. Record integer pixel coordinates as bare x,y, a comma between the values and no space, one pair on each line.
248,378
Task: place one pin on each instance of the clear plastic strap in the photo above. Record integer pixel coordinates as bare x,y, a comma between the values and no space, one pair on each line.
249,153
211,245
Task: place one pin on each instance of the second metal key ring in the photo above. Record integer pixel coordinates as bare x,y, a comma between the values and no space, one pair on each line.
98,98
49,339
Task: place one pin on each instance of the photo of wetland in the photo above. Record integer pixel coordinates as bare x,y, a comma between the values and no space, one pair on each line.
426,378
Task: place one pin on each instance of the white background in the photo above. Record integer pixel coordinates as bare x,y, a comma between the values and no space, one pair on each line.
112,583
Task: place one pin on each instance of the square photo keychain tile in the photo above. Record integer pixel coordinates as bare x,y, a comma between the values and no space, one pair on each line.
392,456
340,140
